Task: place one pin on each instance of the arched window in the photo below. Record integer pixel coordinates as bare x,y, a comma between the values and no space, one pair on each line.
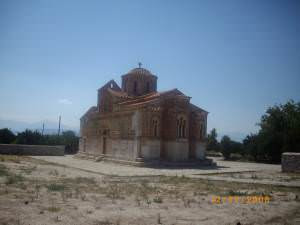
177,128
181,127
135,87
201,131
148,87
155,127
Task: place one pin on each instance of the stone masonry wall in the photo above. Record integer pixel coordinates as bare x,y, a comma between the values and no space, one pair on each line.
290,162
11,149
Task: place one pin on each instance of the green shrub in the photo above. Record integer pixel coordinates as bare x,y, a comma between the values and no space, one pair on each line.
56,187
14,178
3,171
6,136
158,199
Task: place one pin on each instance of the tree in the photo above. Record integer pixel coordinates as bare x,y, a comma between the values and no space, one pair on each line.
279,132
212,142
71,141
251,146
67,138
6,136
29,137
226,147
237,147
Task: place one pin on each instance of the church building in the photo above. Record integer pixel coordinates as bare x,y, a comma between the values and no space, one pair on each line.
135,122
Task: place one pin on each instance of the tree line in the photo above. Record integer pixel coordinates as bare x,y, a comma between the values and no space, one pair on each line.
29,137
279,131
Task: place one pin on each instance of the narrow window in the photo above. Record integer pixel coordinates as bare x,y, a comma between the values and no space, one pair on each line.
135,87
155,127
183,128
201,131
177,128
148,87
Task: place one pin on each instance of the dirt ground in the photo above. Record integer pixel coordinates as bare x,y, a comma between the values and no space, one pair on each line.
233,171
37,192
123,170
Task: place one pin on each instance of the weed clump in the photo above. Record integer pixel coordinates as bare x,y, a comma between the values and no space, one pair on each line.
53,209
85,180
56,187
14,178
114,192
235,193
3,171
158,199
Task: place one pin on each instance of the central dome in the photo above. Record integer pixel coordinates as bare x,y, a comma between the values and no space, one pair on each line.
139,81
140,71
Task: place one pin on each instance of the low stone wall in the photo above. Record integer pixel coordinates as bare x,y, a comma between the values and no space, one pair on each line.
290,162
11,149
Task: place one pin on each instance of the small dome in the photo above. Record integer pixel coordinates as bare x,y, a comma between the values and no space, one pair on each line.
140,71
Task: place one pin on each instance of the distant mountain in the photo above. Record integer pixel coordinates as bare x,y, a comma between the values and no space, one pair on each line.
50,126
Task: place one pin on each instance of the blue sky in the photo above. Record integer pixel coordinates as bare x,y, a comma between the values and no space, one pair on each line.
234,58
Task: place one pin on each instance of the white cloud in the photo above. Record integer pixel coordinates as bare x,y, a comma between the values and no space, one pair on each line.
64,101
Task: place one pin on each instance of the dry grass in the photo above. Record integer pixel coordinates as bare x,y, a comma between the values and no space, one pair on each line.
13,178
3,170
11,158
90,197
53,209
